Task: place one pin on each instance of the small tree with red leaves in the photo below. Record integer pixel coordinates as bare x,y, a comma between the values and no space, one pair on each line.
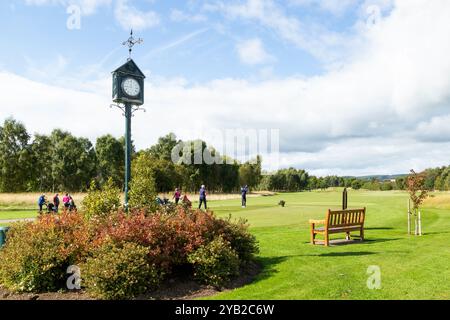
415,184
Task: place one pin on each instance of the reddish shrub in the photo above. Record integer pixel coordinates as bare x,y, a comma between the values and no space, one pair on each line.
36,255
170,238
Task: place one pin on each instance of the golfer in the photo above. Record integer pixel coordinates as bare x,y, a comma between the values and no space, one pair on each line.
202,197
244,191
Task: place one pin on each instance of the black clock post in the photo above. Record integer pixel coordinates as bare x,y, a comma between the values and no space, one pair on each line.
128,94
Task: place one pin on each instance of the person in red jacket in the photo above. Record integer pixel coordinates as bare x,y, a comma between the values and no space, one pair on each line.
177,195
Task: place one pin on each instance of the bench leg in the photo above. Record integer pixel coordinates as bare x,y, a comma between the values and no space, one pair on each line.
313,235
362,234
347,237
327,240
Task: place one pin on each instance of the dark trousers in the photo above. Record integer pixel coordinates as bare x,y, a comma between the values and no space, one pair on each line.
177,200
40,207
244,201
202,201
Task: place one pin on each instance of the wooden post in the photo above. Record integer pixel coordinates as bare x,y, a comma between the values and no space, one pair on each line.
420,224
344,199
416,226
409,216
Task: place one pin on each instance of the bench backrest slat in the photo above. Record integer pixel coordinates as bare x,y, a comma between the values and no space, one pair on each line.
343,218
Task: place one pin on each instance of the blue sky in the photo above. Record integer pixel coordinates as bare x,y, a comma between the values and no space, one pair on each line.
365,77
189,39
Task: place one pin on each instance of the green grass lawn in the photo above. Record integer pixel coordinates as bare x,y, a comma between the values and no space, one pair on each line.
411,267
17,214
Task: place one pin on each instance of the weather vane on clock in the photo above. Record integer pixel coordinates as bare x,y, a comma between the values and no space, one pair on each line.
131,42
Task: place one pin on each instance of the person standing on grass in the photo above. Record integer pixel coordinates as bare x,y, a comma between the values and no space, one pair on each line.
66,201
41,202
56,202
177,195
72,205
202,197
244,191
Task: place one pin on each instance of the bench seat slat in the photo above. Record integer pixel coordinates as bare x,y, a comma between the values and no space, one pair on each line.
339,229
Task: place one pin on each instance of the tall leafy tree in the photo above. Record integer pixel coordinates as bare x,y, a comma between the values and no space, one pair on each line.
73,162
42,151
110,160
15,156
250,172
163,149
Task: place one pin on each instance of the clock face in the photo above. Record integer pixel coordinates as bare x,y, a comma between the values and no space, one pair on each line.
131,87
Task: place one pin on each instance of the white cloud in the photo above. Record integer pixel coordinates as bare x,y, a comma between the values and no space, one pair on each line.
435,129
332,6
252,52
175,43
180,16
386,111
324,44
129,17
51,71
45,107
87,6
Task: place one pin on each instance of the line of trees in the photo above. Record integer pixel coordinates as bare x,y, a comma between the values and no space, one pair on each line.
293,180
63,162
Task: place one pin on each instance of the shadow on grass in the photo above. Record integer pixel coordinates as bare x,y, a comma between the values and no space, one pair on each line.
341,242
379,228
268,266
344,254
431,233
374,241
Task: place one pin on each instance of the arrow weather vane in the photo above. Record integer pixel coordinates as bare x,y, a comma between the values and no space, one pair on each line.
131,42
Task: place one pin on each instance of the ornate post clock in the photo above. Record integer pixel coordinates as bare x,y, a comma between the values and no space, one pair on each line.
128,94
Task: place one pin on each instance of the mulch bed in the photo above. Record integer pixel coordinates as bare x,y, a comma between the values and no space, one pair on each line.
177,288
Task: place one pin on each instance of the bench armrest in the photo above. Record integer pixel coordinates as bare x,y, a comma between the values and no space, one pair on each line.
312,221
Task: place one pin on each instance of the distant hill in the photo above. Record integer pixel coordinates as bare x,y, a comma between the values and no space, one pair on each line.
380,177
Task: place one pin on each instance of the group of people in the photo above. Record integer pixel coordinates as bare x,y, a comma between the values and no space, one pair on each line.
53,206
69,203
202,197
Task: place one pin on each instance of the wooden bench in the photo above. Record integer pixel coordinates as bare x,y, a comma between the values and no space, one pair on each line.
339,222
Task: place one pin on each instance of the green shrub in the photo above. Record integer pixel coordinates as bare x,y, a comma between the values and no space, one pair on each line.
215,263
99,203
36,255
142,187
123,255
240,239
119,271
